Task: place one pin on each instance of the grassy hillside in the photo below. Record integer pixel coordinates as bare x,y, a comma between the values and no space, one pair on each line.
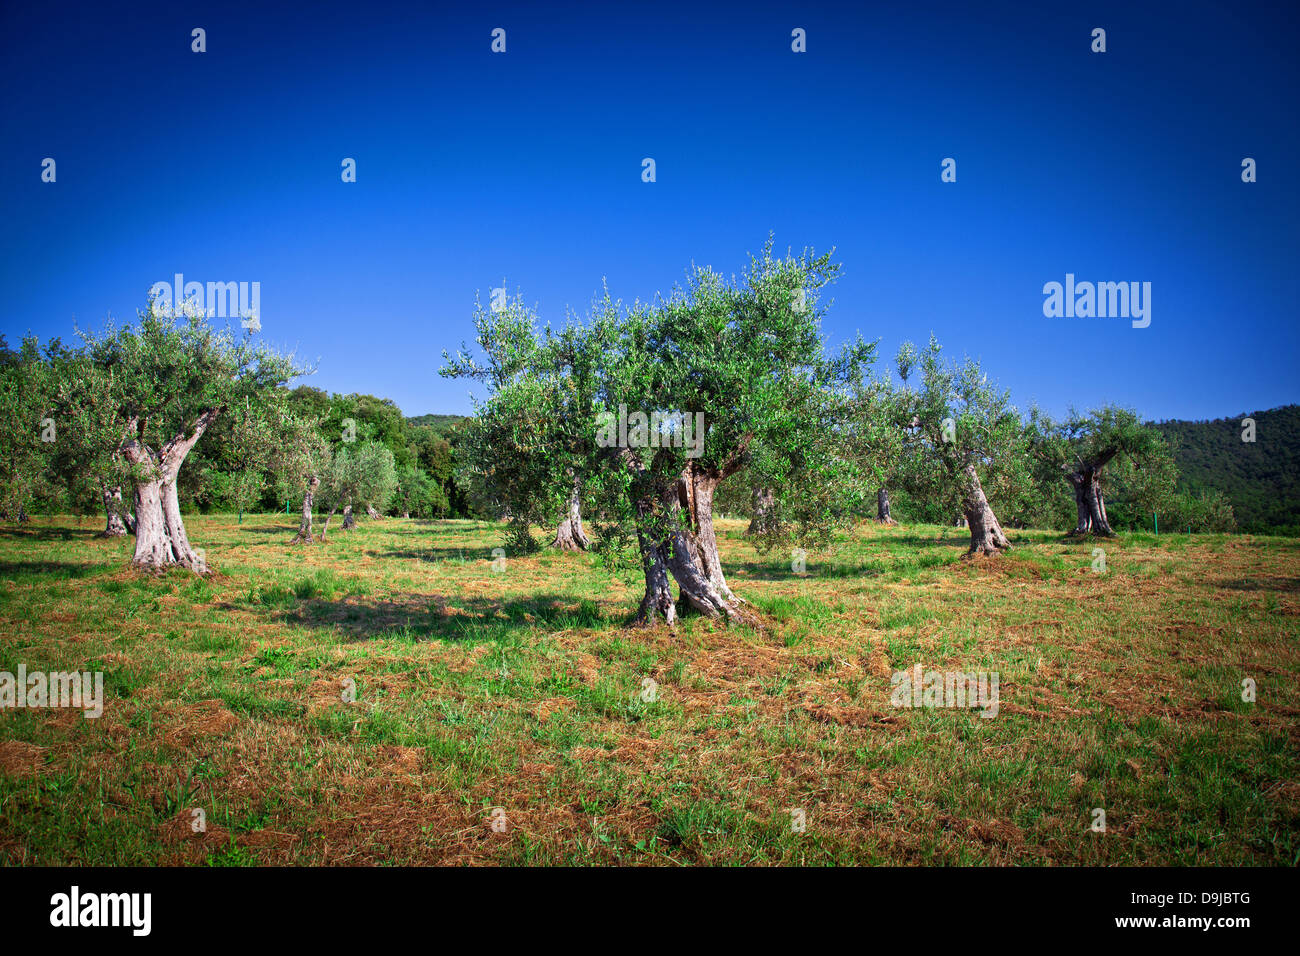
1261,479
523,690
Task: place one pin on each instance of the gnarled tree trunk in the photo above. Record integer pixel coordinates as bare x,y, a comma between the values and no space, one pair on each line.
882,507
160,538
371,512
986,535
1089,501
569,536
658,599
1101,511
118,518
692,546
186,556
695,491
153,547
680,544
1083,521
697,591
349,522
304,525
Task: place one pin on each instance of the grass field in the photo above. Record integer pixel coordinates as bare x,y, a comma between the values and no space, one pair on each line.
522,690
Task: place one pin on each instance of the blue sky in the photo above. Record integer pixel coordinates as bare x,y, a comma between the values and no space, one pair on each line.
475,167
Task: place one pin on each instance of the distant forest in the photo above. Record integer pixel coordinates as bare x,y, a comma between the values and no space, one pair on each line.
1260,478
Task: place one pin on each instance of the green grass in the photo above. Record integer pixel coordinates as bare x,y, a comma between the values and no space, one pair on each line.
528,691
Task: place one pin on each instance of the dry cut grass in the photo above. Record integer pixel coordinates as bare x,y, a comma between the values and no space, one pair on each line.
505,718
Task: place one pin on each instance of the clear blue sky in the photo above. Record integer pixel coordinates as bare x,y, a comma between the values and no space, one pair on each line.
474,167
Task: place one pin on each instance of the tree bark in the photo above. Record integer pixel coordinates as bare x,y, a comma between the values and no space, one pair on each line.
326,527
304,525
153,548
118,521
371,513
1090,503
882,507
761,521
186,556
671,543
349,522
697,591
658,600
691,549
569,536
160,539
695,491
986,535
1083,521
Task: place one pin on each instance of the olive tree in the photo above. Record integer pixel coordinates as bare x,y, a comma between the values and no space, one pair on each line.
875,441
27,430
299,457
1080,448
252,443
746,358
959,425
719,377
85,460
523,452
357,475
147,393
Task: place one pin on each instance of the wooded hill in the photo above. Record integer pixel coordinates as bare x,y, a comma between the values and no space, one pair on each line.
441,424
1260,478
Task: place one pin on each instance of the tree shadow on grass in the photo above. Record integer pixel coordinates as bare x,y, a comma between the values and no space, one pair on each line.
49,534
14,570
1271,544
1265,582
764,571
858,570
288,530
425,617
959,538
953,540
1070,537
936,553
437,555
422,526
